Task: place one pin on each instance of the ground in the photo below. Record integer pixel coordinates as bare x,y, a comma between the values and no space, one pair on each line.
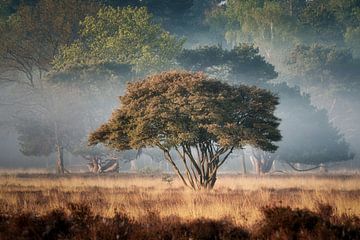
236,199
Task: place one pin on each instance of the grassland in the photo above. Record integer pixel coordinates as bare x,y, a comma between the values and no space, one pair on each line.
238,199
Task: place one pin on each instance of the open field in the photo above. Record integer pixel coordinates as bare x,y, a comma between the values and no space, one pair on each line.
238,199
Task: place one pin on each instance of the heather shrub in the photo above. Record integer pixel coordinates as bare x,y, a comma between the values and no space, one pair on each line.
79,222
287,223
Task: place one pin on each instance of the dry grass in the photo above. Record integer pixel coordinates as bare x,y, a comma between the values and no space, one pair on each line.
235,198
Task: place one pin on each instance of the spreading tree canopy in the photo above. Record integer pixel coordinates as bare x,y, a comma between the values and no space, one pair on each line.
200,119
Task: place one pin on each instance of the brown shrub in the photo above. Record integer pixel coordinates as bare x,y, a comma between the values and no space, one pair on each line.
78,222
287,223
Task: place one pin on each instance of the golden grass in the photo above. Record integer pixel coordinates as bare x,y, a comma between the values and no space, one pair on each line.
237,198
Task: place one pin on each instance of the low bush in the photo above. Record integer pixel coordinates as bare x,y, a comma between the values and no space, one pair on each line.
78,222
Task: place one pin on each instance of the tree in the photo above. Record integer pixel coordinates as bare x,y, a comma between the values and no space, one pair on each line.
99,159
41,137
203,120
308,136
352,39
120,36
31,138
243,63
318,19
32,36
43,130
330,76
277,25
324,66
267,24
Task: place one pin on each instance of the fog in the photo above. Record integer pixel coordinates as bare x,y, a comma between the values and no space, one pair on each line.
319,125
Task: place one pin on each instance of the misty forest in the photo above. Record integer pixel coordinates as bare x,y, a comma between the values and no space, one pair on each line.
180,119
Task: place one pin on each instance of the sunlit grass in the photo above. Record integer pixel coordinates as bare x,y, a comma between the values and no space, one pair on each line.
237,198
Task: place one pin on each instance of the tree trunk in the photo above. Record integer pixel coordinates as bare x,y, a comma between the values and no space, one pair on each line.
133,167
267,164
212,182
262,161
95,164
243,162
258,167
256,162
201,163
323,168
60,160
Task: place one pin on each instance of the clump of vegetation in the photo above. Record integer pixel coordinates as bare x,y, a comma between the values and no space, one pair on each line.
78,222
287,223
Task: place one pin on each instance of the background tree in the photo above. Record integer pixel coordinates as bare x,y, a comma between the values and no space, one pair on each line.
323,66
121,36
243,63
309,137
181,18
331,77
276,26
32,36
60,128
99,159
201,119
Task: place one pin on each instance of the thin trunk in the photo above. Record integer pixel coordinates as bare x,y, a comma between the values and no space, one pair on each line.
176,169
133,167
323,168
212,181
257,164
95,165
243,161
60,160
267,162
258,167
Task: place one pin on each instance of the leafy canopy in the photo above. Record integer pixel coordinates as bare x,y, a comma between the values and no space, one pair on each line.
120,36
31,36
243,62
175,108
323,65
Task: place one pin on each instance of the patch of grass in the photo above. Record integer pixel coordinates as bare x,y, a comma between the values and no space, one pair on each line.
238,199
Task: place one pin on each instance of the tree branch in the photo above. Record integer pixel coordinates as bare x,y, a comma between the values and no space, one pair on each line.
302,170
